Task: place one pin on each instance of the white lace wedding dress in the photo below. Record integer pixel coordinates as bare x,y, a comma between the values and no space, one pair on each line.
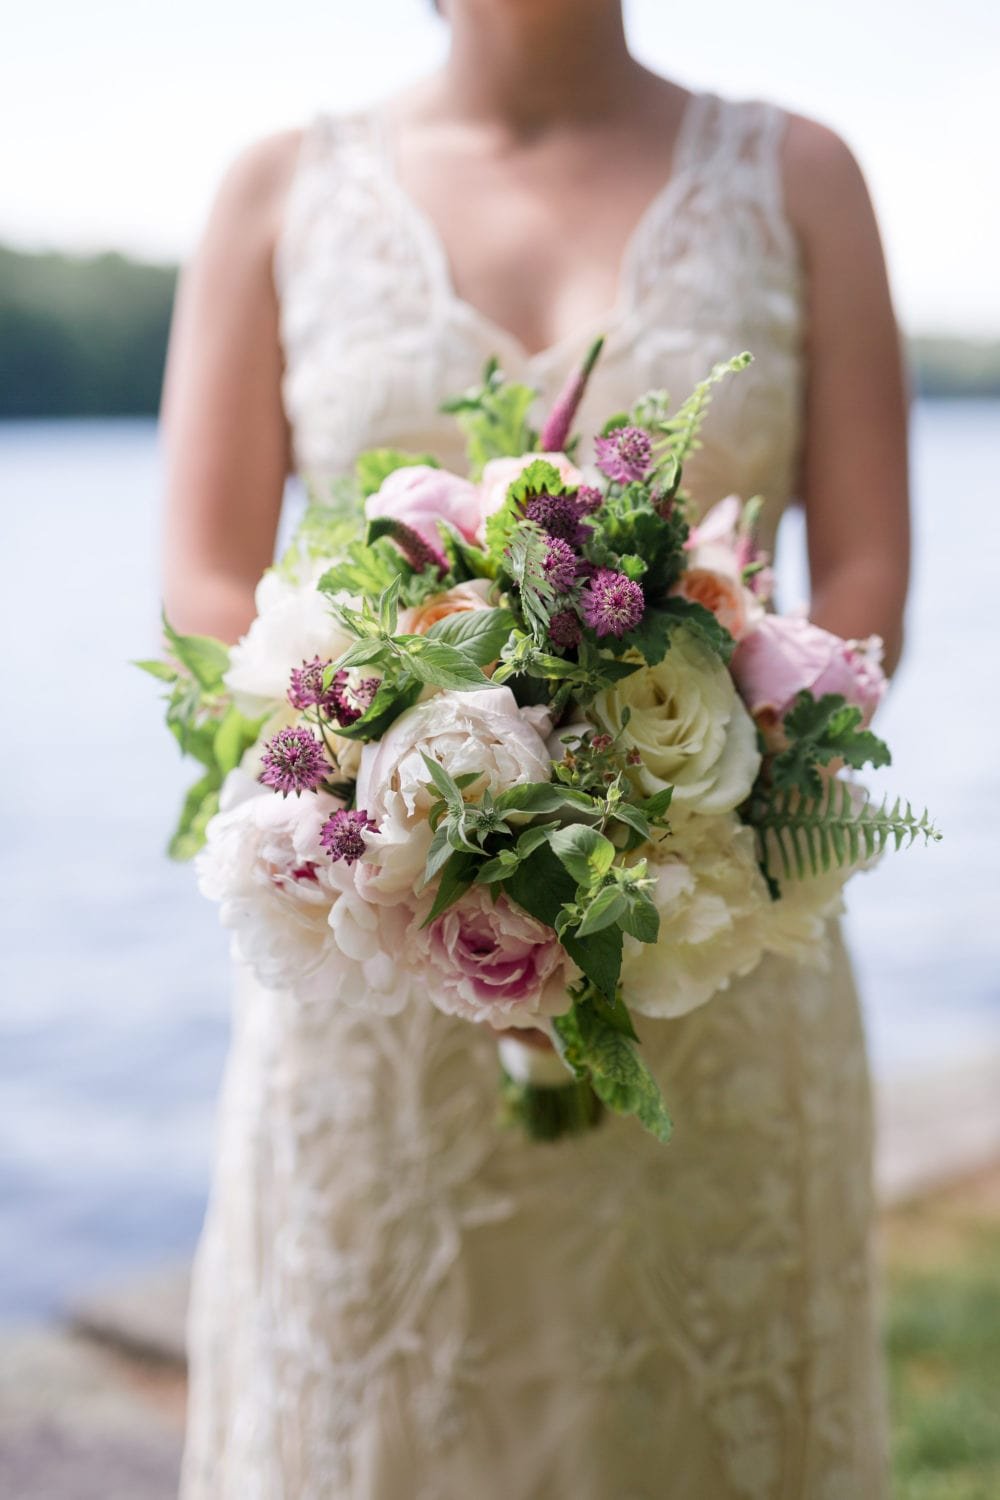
396,1300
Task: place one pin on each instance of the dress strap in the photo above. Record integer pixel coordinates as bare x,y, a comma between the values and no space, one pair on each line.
739,149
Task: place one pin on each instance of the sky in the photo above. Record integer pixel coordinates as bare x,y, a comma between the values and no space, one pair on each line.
118,116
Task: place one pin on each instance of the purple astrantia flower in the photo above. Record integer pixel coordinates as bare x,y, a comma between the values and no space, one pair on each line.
560,516
564,629
589,498
307,689
611,603
348,701
562,566
625,455
293,761
343,834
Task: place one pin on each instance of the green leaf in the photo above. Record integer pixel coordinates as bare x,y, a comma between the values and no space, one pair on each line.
641,919
203,656
524,559
701,622
388,606
584,852
542,886
234,734
200,804
161,669
377,464
363,653
456,877
480,633
607,907
444,783
812,835
363,570
540,797
820,730
439,853
652,635
655,806
494,418
610,1061
440,665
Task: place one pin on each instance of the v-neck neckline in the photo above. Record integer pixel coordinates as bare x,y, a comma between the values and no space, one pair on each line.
439,264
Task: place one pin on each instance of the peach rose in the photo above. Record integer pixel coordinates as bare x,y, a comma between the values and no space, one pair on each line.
722,594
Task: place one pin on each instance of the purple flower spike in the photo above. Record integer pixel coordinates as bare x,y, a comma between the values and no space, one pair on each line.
418,551
559,515
343,834
561,565
564,630
559,424
612,604
307,689
625,455
293,761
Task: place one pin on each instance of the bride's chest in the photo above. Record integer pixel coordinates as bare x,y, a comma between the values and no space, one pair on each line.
378,331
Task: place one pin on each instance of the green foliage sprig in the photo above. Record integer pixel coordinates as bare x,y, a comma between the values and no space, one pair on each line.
808,835
818,731
494,418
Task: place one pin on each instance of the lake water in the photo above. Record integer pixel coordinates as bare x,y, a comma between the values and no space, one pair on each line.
114,973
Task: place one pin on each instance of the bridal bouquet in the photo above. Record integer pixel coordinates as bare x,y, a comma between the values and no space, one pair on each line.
529,746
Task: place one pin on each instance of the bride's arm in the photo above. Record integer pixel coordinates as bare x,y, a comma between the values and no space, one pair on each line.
224,429
854,479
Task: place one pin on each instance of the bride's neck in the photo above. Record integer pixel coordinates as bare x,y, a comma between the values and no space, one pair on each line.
532,64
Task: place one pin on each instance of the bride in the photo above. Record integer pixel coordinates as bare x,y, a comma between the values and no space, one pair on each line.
393,1299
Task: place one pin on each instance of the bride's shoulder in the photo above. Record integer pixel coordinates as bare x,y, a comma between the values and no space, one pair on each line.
822,179
253,187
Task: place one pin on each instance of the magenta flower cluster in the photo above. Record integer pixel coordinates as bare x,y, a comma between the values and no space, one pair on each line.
625,455
343,834
560,516
293,761
611,603
562,566
340,699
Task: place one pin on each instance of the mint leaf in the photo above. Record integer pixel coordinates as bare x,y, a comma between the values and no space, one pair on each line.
203,656
160,669
440,665
600,1054
543,887
584,852
480,633
820,730
200,804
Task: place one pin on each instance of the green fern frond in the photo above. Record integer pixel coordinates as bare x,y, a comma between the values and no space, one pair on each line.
813,835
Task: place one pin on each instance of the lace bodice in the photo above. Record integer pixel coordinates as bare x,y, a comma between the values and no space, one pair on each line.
394,1298
375,336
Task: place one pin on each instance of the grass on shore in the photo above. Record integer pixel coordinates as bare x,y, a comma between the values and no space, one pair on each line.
943,1335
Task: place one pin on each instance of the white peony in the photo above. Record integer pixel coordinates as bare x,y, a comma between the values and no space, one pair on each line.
714,917
689,726
294,624
478,731
294,913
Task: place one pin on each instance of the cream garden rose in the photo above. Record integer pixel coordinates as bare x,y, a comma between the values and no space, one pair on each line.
713,905
689,726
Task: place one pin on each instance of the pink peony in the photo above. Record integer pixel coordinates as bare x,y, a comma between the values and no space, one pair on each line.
420,496
786,653
491,961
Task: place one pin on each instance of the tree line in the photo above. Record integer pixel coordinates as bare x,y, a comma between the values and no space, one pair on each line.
87,336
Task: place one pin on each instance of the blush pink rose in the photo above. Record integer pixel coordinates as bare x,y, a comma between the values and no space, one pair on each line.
786,653
420,496
491,961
